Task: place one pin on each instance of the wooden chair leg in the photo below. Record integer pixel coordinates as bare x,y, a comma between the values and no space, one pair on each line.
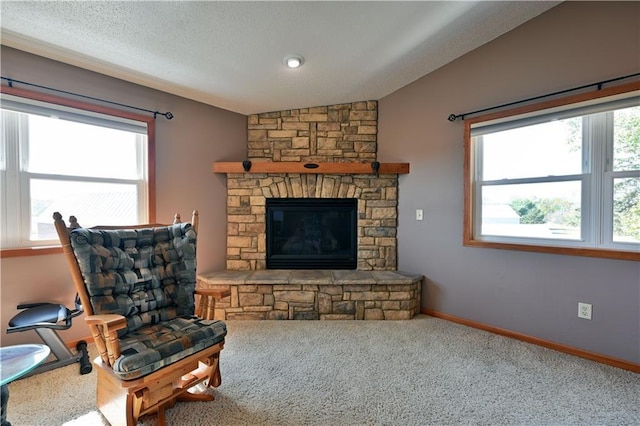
162,420
211,312
203,307
215,378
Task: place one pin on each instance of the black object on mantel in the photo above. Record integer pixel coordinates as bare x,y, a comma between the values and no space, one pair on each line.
311,166
375,166
246,165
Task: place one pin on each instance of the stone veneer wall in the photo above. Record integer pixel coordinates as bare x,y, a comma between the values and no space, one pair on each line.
336,133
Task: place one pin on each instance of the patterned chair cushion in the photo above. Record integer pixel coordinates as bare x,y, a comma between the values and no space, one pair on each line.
148,276
152,347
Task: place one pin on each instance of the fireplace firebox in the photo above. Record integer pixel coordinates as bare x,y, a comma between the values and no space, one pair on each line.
311,233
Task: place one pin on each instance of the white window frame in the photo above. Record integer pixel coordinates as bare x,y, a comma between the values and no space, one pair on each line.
597,177
16,222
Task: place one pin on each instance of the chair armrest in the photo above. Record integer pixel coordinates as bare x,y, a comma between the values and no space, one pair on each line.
107,327
208,296
112,321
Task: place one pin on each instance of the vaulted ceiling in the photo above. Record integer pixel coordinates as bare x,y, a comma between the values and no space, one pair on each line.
229,54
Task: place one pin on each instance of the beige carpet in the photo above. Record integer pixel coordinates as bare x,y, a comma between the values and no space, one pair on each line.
424,371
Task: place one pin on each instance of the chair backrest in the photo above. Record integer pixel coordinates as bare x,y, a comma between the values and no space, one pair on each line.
147,273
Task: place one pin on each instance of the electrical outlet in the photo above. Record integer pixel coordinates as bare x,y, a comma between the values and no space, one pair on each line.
584,310
419,214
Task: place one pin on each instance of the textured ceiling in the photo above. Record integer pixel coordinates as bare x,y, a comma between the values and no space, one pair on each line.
229,54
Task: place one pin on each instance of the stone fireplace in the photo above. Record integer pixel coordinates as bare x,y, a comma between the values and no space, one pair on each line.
345,133
337,147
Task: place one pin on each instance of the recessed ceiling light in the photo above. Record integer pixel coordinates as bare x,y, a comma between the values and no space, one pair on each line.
293,61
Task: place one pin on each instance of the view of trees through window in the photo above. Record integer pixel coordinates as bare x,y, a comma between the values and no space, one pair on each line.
626,157
626,205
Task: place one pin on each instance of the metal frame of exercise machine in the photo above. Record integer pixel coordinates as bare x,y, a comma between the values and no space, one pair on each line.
45,319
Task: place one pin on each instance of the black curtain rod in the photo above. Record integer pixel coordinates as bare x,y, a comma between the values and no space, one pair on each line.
168,115
454,117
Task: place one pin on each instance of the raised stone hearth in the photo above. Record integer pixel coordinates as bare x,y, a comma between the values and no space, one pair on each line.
316,294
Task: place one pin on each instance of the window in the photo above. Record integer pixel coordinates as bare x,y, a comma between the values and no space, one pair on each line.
561,178
78,159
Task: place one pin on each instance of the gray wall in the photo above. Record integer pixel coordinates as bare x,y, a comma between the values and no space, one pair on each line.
536,294
573,44
186,148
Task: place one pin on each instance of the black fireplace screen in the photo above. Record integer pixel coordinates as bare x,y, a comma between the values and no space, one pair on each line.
312,233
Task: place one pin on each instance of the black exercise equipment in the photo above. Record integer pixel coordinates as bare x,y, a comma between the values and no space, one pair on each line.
45,319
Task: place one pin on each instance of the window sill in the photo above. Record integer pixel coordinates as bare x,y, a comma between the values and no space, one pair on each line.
569,251
30,251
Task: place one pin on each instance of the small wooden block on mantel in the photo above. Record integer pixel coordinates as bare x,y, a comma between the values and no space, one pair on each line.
318,168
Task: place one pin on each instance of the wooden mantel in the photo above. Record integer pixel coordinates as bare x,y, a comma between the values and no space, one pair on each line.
318,168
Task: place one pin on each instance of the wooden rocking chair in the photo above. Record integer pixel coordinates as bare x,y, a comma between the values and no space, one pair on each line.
137,287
